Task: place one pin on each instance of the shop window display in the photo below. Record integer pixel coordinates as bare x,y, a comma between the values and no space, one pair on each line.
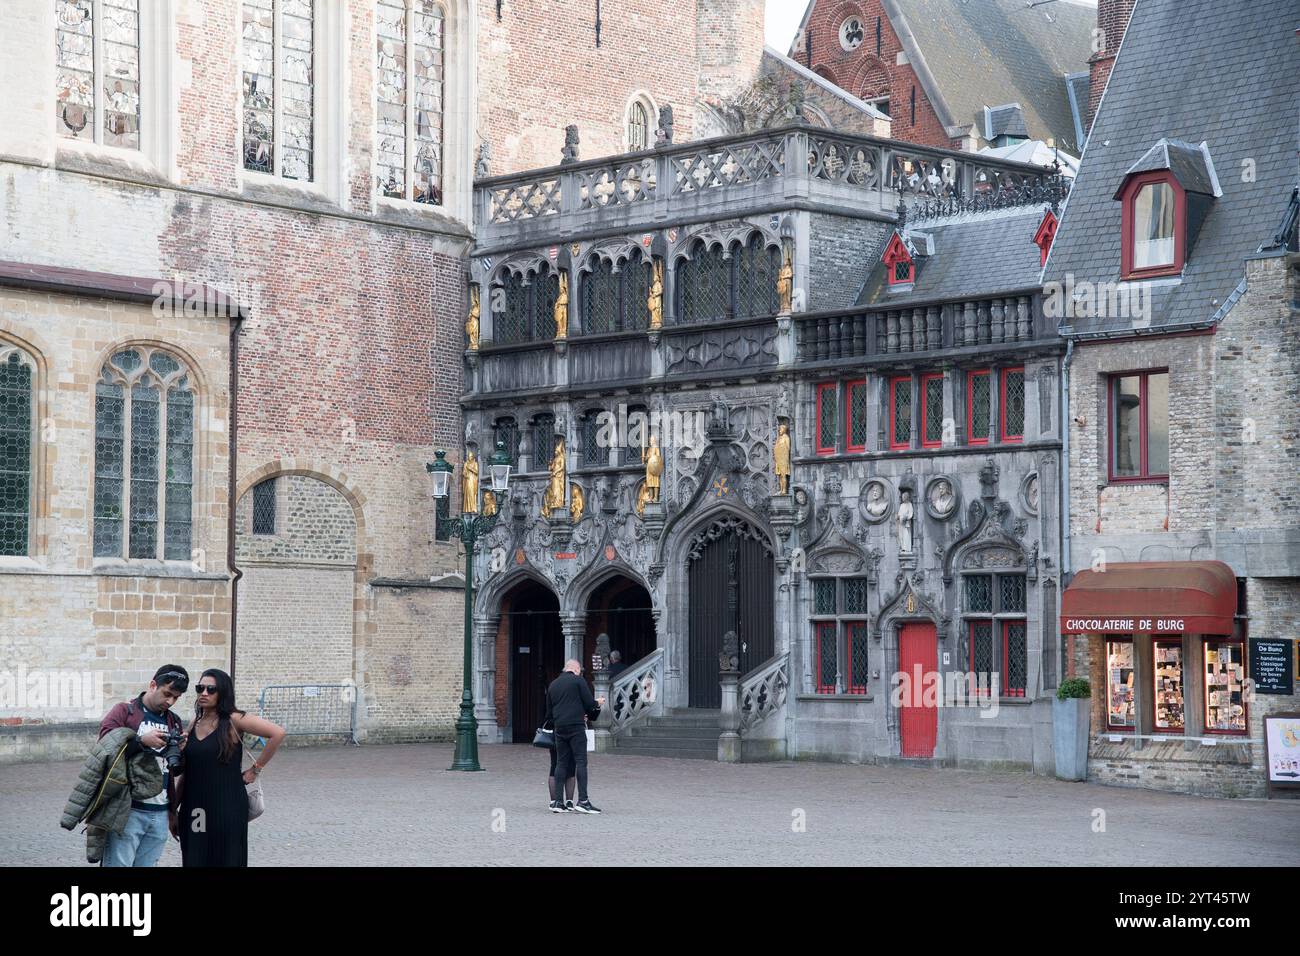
1169,686
1225,672
1120,712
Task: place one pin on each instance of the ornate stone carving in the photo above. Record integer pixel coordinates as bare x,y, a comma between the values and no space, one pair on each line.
989,479
472,321
570,152
785,280
1029,493
874,502
469,484
1046,389
941,500
664,132
482,164
577,502
781,459
655,301
562,308
904,520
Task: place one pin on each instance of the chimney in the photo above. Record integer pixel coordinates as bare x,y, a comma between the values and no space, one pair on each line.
1112,20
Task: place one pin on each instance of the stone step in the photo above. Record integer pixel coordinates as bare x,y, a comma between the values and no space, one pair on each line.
625,749
673,730
661,740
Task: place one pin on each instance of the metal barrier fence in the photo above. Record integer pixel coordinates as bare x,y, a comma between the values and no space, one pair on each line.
314,710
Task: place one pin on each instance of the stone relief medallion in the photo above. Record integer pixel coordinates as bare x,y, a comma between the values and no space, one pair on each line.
802,506
941,498
1029,493
875,501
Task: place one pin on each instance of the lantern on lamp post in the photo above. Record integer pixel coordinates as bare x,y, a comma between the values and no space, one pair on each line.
469,527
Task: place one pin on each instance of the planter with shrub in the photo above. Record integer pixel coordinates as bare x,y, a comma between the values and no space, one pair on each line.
1071,719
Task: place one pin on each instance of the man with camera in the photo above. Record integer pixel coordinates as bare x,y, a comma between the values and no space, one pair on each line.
160,731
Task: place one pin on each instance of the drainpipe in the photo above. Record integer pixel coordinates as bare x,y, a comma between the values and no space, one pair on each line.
1066,564
236,574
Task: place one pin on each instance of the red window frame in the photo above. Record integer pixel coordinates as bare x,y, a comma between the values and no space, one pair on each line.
848,414
824,631
1128,199
822,447
925,398
851,687
1205,689
895,253
1002,405
1143,476
1180,730
971,437
893,407
1007,690
976,689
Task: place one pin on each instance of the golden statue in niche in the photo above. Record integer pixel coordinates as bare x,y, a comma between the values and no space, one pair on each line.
489,503
553,498
654,469
577,502
562,308
469,485
656,300
642,496
785,282
471,324
781,458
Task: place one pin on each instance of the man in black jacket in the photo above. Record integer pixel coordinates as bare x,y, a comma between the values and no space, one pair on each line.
568,702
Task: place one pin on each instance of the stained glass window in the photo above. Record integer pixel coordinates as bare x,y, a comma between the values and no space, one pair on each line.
998,646
600,298
638,128
932,413
828,417
637,438
97,71
16,430
900,435
979,593
278,70
595,451
857,416
410,53
981,648
144,457
827,665
843,639
636,279
527,311
1011,592
543,441
856,645
506,431
1016,655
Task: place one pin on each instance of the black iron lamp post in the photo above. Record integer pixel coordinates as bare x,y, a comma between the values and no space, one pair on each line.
469,527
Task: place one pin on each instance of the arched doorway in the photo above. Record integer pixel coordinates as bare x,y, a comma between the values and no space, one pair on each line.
530,613
731,584
620,607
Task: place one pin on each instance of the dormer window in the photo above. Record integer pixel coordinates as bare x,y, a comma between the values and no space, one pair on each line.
1044,236
1166,197
899,263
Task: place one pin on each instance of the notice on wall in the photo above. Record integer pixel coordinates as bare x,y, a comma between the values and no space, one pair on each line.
1270,666
1282,745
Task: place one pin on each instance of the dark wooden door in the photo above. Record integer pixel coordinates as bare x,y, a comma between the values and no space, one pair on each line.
731,586
918,724
537,657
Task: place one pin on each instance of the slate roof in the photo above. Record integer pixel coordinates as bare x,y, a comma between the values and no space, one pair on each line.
1232,80
992,52
1008,120
974,255
1189,165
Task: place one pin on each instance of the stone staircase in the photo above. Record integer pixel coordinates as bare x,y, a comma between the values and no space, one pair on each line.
681,733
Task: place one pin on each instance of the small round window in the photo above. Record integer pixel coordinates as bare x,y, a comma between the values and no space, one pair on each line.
851,34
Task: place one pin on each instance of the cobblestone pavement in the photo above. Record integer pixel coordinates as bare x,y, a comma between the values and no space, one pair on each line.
396,805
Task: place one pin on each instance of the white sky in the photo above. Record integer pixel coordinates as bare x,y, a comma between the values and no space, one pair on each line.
782,21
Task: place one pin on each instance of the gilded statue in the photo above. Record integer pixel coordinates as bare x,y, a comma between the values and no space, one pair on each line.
489,503
553,498
781,458
642,496
469,485
471,324
654,469
562,308
785,282
656,300
577,502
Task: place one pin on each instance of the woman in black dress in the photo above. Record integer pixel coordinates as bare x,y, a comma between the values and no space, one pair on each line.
212,824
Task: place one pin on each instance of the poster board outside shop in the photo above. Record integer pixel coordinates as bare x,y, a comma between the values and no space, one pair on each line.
1282,752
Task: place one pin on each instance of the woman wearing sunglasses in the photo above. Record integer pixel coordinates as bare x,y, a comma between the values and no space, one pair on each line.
212,825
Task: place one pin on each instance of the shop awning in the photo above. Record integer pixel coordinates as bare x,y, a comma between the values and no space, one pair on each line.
1157,597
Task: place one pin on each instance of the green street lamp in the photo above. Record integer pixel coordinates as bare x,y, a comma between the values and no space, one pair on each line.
469,527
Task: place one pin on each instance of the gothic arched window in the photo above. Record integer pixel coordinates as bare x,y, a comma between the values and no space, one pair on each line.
410,79
616,301
638,127
277,51
756,270
704,285
144,457
528,308
17,431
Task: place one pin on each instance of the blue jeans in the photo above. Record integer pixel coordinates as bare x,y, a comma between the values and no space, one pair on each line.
141,843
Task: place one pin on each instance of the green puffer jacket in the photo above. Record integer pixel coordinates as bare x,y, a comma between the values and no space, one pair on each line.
109,781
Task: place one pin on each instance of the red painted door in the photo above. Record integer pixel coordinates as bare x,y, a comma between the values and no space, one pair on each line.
918,724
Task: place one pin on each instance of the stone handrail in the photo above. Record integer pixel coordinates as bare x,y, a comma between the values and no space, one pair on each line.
628,692
725,175
763,691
